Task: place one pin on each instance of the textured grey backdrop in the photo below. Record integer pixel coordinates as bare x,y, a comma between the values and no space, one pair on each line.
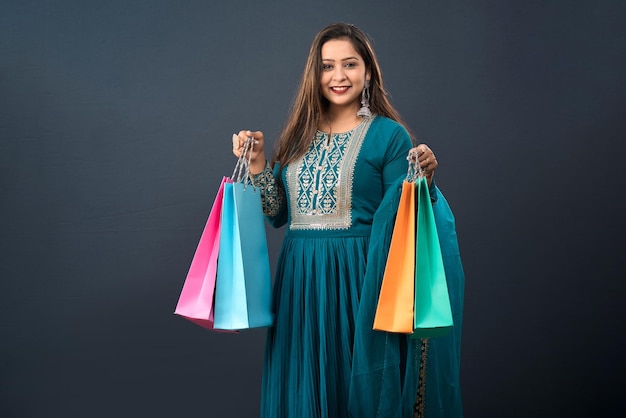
115,124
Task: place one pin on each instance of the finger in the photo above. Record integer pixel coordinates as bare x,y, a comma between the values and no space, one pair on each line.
426,155
244,135
430,165
426,158
241,143
423,151
242,138
257,135
421,155
429,170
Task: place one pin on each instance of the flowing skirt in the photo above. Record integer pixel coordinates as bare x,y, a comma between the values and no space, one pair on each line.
308,355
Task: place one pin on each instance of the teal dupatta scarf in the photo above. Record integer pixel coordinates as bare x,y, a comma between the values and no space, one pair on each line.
394,376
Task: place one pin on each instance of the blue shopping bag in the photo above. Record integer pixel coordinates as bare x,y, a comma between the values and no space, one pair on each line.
243,289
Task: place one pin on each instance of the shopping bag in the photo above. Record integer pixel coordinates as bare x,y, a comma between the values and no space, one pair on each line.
196,298
433,313
244,285
394,312
255,256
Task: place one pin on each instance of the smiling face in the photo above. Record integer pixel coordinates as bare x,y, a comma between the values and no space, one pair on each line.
343,75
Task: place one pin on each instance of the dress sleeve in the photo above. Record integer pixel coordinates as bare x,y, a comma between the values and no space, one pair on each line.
273,197
395,163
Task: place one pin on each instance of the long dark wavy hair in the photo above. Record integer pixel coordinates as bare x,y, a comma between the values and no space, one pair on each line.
310,105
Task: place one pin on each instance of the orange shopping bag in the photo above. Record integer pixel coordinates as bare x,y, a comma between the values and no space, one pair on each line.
395,303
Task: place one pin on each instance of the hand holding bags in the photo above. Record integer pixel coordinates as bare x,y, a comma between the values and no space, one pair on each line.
414,295
241,281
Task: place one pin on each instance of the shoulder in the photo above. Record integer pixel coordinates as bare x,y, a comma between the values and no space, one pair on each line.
386,140
384,122
388,130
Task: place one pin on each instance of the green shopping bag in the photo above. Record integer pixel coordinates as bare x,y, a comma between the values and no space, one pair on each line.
433,314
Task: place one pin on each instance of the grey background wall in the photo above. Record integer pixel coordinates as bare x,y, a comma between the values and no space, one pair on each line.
115,125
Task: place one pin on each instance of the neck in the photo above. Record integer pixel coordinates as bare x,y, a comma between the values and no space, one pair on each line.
339,119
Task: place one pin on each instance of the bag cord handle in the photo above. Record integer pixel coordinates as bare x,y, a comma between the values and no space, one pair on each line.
241,173
414,170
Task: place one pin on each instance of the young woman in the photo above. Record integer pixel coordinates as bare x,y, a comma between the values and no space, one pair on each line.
342,149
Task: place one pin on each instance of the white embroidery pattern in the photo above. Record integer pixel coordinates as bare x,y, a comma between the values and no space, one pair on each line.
322,179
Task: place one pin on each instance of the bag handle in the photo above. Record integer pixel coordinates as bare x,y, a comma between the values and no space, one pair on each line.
241,173
414,171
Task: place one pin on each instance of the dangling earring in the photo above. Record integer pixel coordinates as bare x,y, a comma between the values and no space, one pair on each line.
364,111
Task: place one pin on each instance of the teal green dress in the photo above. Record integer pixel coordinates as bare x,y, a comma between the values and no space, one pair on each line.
328,200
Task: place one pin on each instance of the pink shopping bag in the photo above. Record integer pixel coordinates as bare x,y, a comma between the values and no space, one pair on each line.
196,302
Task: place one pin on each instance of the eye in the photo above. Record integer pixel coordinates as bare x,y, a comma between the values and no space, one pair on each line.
327,67
350,64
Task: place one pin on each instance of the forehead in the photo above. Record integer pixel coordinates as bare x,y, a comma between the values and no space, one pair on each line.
338,49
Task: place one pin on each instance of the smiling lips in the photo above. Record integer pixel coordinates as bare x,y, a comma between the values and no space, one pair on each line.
340,89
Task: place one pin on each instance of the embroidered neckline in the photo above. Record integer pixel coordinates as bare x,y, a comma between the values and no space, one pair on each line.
321,181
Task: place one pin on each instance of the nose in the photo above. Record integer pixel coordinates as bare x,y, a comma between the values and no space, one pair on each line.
338,73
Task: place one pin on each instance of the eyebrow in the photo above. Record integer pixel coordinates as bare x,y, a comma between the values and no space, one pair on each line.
343,59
